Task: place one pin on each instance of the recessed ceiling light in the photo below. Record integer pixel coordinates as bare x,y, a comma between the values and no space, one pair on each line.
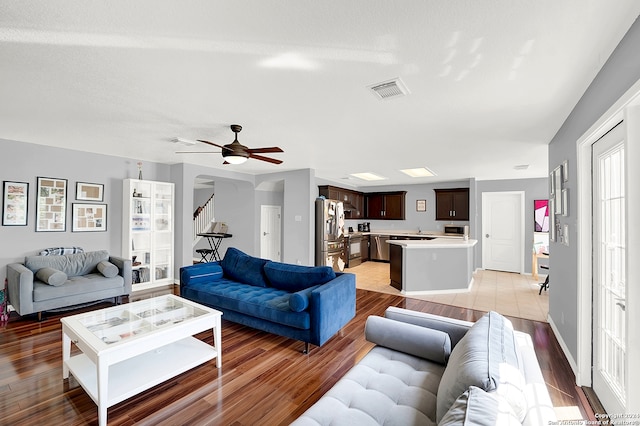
418,172
368,176
521,167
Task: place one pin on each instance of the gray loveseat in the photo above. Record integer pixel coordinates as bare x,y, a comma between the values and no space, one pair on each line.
428,370
45,283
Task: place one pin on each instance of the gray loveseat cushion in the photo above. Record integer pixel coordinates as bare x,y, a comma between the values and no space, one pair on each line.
486,357
71,264
51,276
423,342
476,407
107,269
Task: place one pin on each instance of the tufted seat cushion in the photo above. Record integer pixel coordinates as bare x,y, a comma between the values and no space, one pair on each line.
386,387
261,302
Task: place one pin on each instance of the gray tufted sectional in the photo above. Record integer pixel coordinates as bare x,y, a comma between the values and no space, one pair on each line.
431,370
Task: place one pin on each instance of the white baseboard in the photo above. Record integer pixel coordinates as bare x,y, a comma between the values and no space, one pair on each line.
563,346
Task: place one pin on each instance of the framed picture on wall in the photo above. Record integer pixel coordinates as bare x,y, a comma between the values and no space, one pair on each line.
557,190
541,215
51,206
89,191
89,217
15,201
421,205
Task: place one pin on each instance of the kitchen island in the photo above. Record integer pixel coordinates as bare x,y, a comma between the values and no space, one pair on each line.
439,265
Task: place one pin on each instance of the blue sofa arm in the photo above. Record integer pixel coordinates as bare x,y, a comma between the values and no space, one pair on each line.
210,271
331,307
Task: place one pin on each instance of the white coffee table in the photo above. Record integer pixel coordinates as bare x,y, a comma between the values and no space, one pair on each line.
129,348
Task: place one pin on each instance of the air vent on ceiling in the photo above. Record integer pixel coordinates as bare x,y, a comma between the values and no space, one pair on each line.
389,89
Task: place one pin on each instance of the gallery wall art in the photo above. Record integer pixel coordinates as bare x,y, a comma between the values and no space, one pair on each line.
51,209
15,201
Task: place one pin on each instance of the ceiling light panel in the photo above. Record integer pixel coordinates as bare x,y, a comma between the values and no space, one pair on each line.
418,172
368,176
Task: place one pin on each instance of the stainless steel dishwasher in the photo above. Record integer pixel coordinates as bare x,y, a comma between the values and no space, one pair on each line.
379,247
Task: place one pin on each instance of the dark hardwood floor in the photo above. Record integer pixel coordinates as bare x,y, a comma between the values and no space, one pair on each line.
264,379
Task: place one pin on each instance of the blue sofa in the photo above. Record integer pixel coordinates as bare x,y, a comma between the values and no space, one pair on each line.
305,303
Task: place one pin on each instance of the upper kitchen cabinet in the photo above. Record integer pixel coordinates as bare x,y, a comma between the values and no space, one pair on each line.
452,204
353,201
385,205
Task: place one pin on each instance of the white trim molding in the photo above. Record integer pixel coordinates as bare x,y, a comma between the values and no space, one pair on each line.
625,109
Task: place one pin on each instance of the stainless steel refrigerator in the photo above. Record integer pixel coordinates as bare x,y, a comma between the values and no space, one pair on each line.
330,241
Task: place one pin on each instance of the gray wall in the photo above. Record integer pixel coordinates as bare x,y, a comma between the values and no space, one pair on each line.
534,189
619,73
236,202
426,221
269,198
298,214
25,162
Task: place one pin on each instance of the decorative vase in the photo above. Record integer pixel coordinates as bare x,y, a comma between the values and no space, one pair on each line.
140,170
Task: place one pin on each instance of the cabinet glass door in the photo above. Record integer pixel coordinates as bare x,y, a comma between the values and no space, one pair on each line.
141,253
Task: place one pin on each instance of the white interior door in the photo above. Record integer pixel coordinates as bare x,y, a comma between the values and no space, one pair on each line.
503,231
270,230
609,271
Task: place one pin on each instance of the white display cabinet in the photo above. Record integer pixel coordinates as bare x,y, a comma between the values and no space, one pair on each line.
148,232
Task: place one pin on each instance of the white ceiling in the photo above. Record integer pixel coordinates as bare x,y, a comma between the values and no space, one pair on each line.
491,81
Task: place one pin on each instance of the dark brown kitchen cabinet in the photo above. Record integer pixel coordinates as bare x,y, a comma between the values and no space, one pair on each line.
353,201
452,204
385,205
395,266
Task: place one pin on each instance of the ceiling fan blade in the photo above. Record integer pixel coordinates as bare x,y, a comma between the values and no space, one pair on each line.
214,144
197,152
265,149
263,158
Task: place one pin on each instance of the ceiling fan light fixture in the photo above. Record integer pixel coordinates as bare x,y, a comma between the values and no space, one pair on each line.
234,158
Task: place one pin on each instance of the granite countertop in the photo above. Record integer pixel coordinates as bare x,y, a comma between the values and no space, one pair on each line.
400,233
435,243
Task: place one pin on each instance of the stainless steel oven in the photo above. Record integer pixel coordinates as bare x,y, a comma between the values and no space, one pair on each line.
354,254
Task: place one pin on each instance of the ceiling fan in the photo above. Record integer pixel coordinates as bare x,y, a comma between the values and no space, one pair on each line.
236,153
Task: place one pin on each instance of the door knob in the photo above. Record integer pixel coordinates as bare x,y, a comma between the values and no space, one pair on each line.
265,233
621,303
486,235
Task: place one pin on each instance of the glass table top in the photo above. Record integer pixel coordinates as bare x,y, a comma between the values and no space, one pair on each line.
126,321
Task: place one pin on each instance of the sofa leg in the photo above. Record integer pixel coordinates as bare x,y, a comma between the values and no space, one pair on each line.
306,348
39,316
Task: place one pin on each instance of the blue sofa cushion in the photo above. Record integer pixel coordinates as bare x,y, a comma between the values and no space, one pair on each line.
241,267
292,278
267,303
299,301
201,273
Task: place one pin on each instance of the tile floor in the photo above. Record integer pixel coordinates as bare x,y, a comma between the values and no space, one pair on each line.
504,292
